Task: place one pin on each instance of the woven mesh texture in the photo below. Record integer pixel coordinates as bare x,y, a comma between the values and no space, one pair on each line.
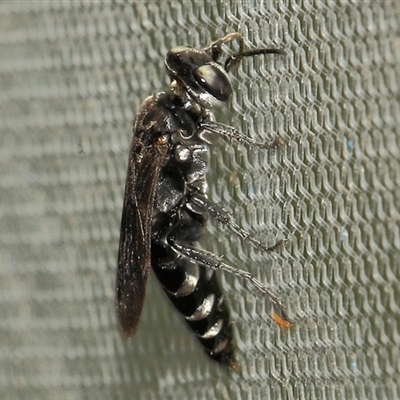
72,77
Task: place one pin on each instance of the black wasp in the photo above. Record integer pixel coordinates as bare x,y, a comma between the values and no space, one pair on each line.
166,207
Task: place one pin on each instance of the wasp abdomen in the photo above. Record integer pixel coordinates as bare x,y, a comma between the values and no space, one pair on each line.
194,291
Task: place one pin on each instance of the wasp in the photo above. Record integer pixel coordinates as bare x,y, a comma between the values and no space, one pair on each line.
166,207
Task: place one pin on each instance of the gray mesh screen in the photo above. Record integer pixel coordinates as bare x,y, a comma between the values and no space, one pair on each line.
72,77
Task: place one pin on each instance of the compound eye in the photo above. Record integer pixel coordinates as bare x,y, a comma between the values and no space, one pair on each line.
213,81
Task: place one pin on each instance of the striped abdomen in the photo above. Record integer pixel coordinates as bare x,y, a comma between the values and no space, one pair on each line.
193,289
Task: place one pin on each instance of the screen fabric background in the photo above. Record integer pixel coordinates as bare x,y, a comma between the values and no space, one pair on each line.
72,77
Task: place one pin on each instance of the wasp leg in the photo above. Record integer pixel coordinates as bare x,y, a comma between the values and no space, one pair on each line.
232,133
209,260
226,219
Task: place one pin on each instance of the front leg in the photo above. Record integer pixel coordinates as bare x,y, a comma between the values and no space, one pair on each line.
232,133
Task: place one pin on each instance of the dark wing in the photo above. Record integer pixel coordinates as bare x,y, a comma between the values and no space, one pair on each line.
134,258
